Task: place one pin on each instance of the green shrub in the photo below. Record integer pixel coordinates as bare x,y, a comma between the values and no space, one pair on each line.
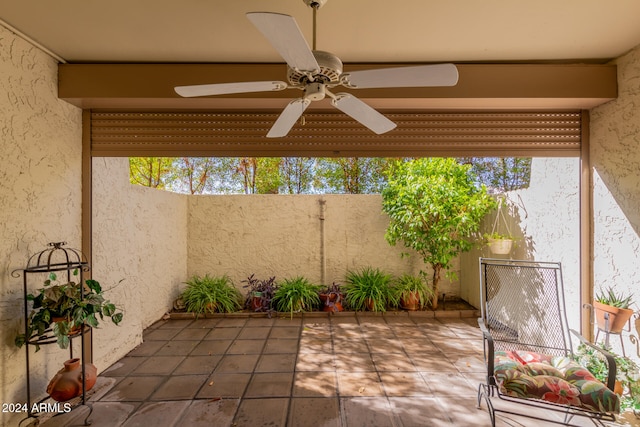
297,294
408,283
211,294
369,289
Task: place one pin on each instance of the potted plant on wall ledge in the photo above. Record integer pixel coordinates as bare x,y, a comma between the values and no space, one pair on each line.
331,298
296,295
208,295
612,310
411,292
369,289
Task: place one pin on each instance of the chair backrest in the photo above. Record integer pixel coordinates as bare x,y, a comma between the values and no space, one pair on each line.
522,305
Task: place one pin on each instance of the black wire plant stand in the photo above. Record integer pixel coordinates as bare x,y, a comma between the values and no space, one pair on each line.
67,262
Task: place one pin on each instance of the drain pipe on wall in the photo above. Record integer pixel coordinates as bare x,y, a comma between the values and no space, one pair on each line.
323,254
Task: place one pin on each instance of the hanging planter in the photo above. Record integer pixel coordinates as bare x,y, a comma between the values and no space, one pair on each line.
500,243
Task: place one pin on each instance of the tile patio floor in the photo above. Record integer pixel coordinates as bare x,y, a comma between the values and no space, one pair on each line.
345,371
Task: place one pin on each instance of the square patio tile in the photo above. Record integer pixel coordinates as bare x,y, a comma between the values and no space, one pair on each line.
254,333
175,324
158,414
180,387
315,345
315,412
231,322
205,348
272,384
158,365
191,334
468,362
286,320
418,345
123,367
449,384
133,389
237,363
354,345
224,386
208,413
147,348
421,411
262,412
359,384
276,363
246,347
394,362
352,362
432,362
223,334
315,384
385,345
404,384
177,348
286,332
193,365
316,362
279,346
203,323
160,334
367,411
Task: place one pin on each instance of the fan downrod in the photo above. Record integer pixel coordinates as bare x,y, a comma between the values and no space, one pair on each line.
314,4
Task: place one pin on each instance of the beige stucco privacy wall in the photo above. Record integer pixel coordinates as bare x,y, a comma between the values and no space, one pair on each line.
40,195
282,236
139,254
615,160
545,219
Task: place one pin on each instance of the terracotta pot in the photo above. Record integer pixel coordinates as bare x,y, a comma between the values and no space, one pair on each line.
256,301
371,304
331,302
618,388
618,317
75,329
67,383
410,301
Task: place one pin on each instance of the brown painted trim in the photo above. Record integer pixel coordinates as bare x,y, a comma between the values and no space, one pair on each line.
524,86
87,211
586,230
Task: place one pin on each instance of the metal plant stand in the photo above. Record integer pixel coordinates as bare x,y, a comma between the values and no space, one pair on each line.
64,262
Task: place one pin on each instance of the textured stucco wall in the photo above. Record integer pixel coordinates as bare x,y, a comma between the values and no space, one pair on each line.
280,235
545,217
40,195
139,235
615,157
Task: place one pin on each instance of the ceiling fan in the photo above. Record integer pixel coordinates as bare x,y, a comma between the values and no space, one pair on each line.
315,72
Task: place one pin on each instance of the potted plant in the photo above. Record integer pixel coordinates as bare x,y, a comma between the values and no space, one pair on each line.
331,297
500,244
61,310
612,310
369,289
260,294
297,294
627,373
210,295
411,292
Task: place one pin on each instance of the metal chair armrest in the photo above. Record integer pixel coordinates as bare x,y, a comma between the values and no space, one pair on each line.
488,350
611,362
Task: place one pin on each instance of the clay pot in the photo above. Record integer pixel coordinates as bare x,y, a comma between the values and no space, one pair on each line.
331,302
618,317
67,383
410,301
256,301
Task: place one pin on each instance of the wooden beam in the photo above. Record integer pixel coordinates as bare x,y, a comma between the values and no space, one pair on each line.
521,86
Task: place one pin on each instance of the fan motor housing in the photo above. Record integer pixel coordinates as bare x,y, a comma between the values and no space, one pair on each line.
330,70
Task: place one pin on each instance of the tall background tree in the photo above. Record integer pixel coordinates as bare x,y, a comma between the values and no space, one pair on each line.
501,174
434,208
352,175
154,172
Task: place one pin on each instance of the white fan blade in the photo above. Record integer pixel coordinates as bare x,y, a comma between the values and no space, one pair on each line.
285,36
288,118
228,88
363,113
417,76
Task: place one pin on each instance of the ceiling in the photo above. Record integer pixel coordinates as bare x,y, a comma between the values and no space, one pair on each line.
215,31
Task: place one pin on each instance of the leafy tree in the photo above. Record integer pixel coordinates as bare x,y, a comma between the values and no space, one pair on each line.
297,174
258,175
155,172
194,175
434,207
352,175
501,174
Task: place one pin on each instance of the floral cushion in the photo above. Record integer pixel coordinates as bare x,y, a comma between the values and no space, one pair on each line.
552,378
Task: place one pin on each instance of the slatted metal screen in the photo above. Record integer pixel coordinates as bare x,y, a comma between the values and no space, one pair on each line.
199,133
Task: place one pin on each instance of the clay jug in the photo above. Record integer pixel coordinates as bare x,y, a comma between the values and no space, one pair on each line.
67,383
